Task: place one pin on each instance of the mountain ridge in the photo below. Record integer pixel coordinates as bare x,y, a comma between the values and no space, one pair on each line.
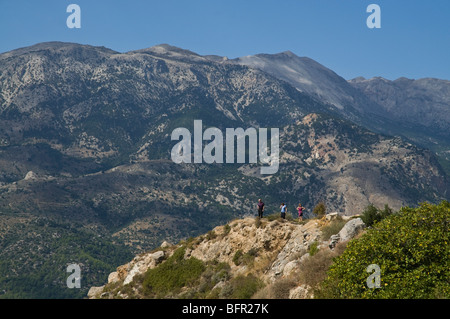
85,151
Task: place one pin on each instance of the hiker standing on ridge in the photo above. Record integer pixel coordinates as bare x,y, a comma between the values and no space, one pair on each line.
260,208
283,210
300,209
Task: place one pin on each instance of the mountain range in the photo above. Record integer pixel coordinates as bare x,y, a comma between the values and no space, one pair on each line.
85,166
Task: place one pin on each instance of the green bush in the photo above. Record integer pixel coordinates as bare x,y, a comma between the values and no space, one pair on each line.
320,209
243,287
211,235
237,258
411,248
176,272
313,249
372,215
273,217
226,229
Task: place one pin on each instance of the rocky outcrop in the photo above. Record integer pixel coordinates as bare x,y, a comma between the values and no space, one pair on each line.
277,249
349,231
296,247
125,273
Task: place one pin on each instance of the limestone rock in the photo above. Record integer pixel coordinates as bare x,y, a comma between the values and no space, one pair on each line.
94,292
157,256
331,216
300,292
291,267
165,244
113,277
351,229
31,175
142,264
334,239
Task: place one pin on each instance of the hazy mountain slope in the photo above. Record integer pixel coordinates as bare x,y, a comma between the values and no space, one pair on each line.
420,107
425,102
312,78
303,73
415,109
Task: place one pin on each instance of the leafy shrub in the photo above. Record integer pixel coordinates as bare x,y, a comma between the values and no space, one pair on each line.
411,248
176,272
313,249
249,257
242,287
211,235
226,229
372,215
237,257
273,217
320,210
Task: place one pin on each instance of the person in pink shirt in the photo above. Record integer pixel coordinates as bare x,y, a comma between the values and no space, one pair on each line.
300,209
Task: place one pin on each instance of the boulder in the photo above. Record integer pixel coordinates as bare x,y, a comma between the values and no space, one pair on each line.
300,292
113,277
157,256
31,175
290,267
331,216
95,291
334,239
351,229
165,244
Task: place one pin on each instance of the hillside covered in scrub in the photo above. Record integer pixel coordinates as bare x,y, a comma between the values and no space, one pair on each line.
274,258
87,176
238,260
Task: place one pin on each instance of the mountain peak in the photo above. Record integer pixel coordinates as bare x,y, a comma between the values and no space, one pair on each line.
67,47
289,53
167,49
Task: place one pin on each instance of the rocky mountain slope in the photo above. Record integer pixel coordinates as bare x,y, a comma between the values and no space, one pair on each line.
415,109
312,78
268,255
85,157
421,106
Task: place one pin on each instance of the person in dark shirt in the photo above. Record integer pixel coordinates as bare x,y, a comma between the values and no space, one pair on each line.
260,208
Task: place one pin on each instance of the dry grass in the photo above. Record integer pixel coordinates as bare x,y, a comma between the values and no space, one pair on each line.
333,227
313,269
278,290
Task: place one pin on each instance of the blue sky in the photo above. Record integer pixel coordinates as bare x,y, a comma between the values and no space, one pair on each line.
414,39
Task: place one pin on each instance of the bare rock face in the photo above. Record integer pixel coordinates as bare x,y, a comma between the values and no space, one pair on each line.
279,247
297,246
30,175
126,273
94,292
300,292
352,228
244,235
